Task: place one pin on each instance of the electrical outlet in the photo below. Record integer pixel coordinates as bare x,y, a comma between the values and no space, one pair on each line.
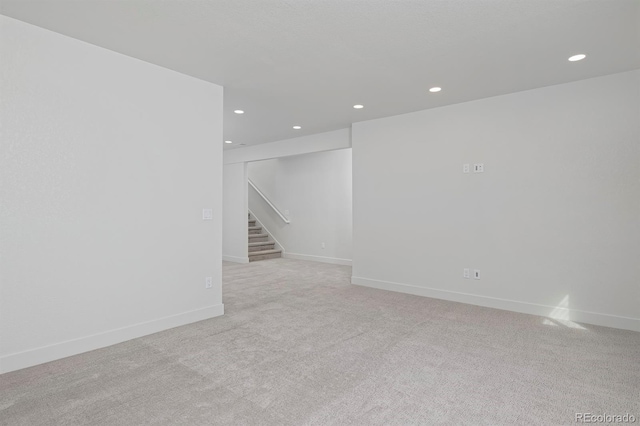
207,214
322,245
478,168
476,274
465,168
465,273
208,282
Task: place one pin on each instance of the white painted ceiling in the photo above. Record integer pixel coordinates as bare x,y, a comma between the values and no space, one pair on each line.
304,62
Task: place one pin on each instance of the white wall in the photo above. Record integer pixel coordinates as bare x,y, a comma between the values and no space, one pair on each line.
234,221
553,223
316,191
106,165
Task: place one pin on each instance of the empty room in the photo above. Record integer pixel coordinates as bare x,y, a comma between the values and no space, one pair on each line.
319,212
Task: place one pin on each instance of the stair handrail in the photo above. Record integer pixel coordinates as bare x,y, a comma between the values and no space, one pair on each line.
264,197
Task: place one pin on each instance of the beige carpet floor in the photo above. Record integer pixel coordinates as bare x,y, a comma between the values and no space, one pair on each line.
300,345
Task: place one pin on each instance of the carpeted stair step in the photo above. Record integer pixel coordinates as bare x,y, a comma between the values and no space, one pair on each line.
264,254
252,222
258,237
261,245
255,230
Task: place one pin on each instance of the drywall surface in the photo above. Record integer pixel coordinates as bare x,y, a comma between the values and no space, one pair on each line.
314,193
106,165
234,217
337,139
553,222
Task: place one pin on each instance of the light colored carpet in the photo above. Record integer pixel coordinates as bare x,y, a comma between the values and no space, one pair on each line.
300,345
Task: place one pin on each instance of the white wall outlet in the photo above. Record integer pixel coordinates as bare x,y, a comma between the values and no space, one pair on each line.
476,274
322,245
465,273
208,282
478,168
207,214
465,168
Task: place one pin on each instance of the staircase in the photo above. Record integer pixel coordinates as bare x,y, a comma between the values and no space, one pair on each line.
260,248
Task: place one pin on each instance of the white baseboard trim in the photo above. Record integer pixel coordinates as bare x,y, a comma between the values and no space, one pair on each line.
573,315
332,260
235,259
60,350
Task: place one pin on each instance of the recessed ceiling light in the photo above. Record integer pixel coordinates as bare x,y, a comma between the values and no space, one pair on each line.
239,111
577,57
297,127
358,106
435,89
228,142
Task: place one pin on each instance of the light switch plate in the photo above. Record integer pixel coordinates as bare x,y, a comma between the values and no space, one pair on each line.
207,214
478,168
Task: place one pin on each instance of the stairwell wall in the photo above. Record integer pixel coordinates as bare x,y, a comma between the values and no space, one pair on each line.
106,165
553,223
316,191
